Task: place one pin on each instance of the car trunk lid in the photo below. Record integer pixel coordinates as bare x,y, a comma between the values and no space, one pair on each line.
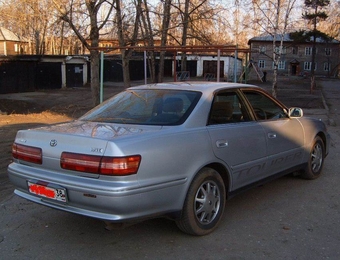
77,137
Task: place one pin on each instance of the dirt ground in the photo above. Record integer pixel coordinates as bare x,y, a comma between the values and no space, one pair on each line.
73,102
290,218
31,109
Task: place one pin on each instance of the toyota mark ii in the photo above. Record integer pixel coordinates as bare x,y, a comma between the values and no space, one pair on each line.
178,150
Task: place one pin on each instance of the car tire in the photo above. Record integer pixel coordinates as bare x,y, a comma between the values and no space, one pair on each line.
204,204
315,161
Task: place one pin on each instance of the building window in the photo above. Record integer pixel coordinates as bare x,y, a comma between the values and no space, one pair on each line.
262,49
262,64
308,51
295,50
281,50
328,51
308,65
281,65
326,66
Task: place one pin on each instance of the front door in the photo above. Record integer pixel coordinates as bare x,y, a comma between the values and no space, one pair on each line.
293,72
284,135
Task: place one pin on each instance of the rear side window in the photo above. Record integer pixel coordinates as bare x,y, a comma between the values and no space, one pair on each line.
227,108
146,107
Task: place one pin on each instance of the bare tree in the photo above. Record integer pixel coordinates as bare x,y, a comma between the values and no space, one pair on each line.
126,35
68,11
148,35
194,19
331,25
274,21
164,36
30,19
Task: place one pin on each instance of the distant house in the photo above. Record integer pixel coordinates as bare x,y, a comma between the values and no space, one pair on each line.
10,43
296,57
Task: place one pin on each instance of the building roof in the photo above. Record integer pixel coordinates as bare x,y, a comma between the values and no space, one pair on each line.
286,38
7,35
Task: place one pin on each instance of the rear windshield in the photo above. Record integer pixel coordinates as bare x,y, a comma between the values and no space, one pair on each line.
146,107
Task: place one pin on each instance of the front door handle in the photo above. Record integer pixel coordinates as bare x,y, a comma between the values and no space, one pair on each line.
271,135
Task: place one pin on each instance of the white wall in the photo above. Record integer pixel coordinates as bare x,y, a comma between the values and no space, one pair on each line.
228,68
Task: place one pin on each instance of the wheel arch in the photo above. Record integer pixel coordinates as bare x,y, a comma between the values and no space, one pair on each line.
223,171
322,135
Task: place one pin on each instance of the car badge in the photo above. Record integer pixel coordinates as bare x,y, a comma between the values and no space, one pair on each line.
53,143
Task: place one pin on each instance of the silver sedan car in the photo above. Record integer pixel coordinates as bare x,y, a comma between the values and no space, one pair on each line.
178,150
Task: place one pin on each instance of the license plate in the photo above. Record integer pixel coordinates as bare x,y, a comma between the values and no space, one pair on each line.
50,192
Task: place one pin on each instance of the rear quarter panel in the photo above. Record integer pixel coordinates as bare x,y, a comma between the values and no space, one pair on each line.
171,156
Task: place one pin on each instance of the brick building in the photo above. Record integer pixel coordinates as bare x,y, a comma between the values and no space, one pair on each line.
296,57
10,43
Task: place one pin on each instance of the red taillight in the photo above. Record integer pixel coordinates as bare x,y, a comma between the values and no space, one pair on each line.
80,162
27,153
120,165
100,164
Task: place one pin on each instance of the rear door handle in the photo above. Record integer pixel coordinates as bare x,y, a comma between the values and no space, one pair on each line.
221,143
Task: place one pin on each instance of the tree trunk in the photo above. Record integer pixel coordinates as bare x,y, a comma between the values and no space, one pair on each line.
186,16
95,89
126,68
126,54
93,8
149,37
165,28
274,85
276,58
121,39
312,76
62,38
94,36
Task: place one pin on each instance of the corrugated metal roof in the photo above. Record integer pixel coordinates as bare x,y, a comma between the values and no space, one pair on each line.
7,35
286,38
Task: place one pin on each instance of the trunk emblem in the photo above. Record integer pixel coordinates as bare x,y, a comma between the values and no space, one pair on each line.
53,143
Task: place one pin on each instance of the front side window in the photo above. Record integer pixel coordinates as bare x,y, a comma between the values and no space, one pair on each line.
227,108
264,107
308,51
146,107
327,51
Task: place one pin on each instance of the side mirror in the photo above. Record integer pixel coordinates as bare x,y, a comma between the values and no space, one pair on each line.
295,112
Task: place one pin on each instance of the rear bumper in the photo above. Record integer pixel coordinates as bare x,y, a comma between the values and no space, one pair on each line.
101,199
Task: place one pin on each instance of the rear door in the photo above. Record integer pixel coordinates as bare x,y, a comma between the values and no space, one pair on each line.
237,139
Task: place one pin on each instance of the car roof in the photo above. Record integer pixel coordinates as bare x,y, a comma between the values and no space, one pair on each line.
202,86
